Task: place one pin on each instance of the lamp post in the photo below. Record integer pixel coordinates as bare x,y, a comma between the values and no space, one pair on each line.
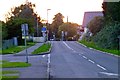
47,23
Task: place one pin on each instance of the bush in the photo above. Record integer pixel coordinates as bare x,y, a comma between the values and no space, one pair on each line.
108,36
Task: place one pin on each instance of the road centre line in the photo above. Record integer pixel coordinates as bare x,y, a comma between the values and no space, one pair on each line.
101,67
84,57
91,61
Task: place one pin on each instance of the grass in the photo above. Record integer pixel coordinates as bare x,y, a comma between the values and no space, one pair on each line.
93,45
16,49
7,64
9,72
43,48
9,77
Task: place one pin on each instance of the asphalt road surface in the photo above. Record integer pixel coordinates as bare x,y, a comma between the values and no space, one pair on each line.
69,59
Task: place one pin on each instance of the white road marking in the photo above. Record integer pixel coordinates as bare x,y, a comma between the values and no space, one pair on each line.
49,58
67,46
43,56
101,67
110,74
48,66
91,61
84,57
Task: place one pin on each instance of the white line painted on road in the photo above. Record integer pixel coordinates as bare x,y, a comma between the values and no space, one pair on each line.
67,46
84,57
48,66
43,56
91,61
49,58
109,74
101,67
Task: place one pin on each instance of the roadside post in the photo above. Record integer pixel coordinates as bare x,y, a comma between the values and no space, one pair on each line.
24,28
44,30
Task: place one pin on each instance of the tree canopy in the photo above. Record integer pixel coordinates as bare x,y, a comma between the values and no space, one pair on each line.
20,15
96,24
70,28
57,21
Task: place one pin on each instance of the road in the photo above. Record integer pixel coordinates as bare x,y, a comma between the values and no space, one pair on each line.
69,59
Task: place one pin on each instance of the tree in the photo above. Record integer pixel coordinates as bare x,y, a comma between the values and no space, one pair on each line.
70,28
57,21
111,11
20,15
96,24
3,30
108,36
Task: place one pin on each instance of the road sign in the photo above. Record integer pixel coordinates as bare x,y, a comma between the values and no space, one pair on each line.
43,29
24,28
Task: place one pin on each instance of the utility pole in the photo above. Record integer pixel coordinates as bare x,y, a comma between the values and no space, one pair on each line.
67,19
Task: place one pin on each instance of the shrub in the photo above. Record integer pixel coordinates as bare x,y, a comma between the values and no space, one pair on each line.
108,36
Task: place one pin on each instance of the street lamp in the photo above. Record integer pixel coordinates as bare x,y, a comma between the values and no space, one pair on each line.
47,23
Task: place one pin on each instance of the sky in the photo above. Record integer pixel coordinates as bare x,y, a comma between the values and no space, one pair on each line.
74,9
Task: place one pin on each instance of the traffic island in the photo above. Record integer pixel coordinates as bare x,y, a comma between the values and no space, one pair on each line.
44,49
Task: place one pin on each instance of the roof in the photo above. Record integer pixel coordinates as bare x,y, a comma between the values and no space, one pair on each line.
88,16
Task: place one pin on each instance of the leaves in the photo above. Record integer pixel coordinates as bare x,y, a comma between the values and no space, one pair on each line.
96,24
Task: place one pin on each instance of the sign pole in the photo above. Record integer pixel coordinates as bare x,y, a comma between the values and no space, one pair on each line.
24,28
26,43
26,49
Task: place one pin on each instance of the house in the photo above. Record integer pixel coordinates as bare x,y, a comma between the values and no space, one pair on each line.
88,16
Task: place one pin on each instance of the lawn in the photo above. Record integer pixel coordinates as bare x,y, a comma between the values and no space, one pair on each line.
7,64
44,48
93,45
10,73
16,49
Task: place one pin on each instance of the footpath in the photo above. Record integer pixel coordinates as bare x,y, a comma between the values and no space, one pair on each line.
38,68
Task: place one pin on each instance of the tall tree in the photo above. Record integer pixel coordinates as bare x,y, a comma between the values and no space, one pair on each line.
20,15
57,21
111,11
3,30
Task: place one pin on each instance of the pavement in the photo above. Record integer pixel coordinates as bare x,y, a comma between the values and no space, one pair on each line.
39,64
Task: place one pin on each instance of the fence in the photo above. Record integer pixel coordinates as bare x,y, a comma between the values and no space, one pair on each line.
9,43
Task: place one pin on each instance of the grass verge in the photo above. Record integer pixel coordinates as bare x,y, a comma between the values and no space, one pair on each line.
93,45
44,48
9,72
8,64
9,77
16,49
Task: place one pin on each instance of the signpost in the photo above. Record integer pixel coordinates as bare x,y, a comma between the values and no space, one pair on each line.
24,28
44,30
